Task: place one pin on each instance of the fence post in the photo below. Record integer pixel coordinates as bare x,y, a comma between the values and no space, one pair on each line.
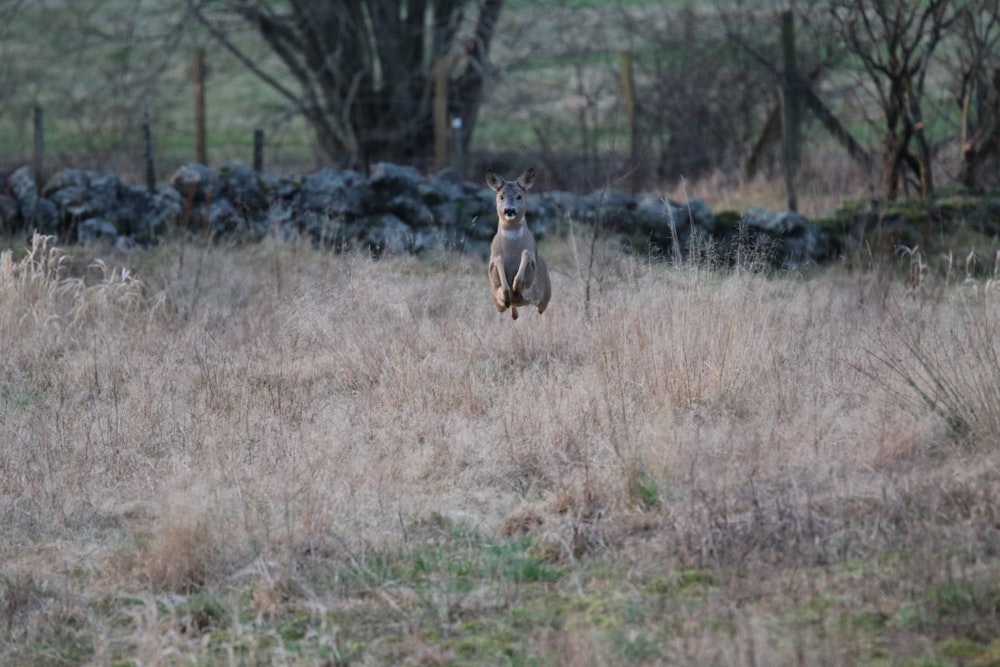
198,73
441,75
39,157
791,105
147,140
458,161
628,97
258,150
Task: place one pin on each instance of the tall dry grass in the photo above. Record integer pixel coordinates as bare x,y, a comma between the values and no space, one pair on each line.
217,416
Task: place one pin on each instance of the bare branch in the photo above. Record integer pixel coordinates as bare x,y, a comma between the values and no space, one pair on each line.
223,38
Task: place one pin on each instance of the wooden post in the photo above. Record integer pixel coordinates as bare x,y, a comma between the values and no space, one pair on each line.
147,140
39,134
258,150
198,73
628,99
458,161
791,108
441,75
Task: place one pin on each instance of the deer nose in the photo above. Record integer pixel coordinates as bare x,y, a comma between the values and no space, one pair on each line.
510,212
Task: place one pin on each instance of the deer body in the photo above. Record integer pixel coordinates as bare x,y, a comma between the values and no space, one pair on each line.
518,275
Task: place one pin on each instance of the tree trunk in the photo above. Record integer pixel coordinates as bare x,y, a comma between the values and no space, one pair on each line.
981,144
365,68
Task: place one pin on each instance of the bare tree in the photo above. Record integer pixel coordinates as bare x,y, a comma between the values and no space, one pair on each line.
894,41
819,51
975,64
365,69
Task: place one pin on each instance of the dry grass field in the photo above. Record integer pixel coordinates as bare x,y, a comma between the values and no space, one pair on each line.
275,455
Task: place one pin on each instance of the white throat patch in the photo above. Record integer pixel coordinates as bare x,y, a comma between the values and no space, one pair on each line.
513,233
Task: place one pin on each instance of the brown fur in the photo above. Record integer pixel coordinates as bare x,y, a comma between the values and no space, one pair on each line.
513,252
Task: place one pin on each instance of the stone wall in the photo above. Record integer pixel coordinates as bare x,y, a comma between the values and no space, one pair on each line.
394,210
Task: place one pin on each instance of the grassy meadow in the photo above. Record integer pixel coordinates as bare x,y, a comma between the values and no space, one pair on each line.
271,454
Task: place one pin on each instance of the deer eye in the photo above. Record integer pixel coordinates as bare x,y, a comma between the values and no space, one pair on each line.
519,198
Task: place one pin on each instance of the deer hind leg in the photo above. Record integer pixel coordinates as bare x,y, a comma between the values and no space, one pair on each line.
525,277
498,281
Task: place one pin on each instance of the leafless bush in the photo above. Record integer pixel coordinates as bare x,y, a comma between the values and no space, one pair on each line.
703,99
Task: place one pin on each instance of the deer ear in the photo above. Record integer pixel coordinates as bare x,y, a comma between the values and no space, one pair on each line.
494,181
527,179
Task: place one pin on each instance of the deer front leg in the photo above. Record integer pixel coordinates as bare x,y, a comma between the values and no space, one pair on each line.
498,281
525,273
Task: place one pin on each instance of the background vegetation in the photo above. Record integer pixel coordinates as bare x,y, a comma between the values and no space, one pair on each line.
913,83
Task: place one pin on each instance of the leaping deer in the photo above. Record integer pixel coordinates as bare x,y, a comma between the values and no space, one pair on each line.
513,252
